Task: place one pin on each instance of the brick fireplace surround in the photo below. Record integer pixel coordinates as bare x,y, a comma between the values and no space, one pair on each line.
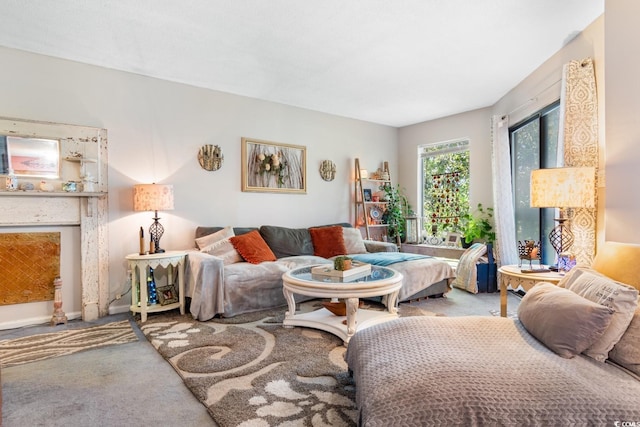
59,208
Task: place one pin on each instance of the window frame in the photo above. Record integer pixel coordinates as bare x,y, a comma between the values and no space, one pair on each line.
446,147
546,216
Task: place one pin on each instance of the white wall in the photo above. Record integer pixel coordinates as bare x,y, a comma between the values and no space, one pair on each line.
623,125
155,129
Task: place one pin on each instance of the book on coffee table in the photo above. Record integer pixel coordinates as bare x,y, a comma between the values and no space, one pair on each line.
358,268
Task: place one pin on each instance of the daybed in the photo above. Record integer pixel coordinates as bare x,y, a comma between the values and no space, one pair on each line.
220,281
547,368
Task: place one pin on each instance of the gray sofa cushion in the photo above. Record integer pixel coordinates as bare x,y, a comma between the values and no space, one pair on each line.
285,241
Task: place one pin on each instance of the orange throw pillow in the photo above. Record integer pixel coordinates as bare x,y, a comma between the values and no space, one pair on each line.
328,241
252,247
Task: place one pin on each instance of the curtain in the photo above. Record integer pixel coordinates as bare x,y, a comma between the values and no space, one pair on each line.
579,133
505,250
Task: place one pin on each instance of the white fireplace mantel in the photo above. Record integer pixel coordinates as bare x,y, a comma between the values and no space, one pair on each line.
58,208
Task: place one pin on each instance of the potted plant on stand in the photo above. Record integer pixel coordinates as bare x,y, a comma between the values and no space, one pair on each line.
397,208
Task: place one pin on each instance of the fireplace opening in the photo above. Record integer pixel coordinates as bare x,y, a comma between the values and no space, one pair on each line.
29,263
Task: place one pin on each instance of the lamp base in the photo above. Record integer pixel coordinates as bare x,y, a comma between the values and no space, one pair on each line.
156,231
561,239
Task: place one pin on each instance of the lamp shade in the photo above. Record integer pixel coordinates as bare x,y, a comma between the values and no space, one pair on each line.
152,197
563,188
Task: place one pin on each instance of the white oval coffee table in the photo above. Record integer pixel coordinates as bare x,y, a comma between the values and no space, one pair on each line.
381,281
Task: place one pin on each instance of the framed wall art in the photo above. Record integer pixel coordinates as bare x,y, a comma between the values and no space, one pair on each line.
273,167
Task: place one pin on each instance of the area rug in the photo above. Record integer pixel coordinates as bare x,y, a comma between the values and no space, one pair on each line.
33,348
250,371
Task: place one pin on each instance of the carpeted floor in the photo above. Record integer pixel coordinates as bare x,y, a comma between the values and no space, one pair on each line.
120,384
113,385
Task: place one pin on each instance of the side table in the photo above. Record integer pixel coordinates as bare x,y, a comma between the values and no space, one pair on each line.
511,275
167,260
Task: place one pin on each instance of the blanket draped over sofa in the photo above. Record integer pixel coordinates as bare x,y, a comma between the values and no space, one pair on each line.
386,259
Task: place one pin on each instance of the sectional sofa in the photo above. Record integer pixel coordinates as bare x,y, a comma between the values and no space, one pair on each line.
239,270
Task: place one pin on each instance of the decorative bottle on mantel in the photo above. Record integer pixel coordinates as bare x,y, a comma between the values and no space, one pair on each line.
11,181
152,293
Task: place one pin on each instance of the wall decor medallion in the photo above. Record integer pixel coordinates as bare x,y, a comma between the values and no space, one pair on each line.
210,157
273,167
328,170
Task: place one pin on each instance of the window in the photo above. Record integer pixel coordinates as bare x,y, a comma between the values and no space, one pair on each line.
445,184
534,145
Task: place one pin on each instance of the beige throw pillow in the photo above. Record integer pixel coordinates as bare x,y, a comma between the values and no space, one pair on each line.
204,241
626,352
621,298
223,249
353,241
563,321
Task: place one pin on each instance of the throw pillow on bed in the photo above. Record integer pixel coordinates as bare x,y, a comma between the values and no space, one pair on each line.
353,241
252,247
204,241
562,320
621,298
223,249
328,241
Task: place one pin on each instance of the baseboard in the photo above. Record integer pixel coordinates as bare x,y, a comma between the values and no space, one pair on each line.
35,321
118,309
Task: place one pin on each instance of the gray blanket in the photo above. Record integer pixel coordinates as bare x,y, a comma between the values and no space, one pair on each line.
424,371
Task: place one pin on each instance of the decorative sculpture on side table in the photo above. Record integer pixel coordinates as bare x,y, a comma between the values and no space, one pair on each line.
530,250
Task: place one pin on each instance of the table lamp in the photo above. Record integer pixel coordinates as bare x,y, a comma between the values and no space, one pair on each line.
563,188
153,197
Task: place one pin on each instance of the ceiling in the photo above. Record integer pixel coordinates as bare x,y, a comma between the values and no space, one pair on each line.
390,62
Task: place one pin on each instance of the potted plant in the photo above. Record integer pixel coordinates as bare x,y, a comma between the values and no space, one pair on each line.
477,226
397,208
342,263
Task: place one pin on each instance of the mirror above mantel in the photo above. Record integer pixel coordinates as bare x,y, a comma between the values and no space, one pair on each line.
53,157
